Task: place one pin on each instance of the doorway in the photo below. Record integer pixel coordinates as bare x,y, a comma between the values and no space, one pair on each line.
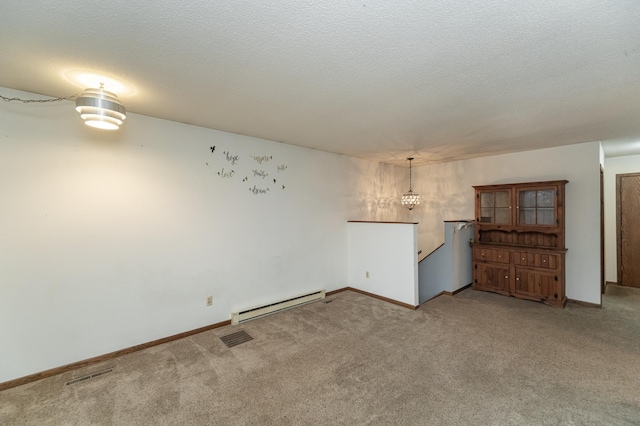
628,228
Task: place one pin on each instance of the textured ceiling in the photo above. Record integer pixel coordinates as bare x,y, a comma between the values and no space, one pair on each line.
437,80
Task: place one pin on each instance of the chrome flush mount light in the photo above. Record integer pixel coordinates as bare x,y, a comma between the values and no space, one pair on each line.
410,199
100,109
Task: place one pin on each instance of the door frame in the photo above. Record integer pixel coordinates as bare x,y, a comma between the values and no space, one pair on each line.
618,224
603,284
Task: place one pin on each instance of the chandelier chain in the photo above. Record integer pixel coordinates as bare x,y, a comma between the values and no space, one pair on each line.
38,101
409,175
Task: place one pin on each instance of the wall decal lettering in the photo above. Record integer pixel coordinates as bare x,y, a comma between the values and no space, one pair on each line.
257,190
229,167
226,174
262,158
260,173
232,158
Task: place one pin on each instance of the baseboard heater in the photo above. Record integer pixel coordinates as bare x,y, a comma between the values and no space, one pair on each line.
271,308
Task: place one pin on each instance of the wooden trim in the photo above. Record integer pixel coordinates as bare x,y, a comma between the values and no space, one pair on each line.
432,251
461,220
528,248
618,242
458,290
442,293
611,283
386,299
101,358
587,304
374,221
448,293
503,185
332,292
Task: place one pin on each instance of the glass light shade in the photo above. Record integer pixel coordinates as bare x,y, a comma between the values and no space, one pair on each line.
410,199
100,109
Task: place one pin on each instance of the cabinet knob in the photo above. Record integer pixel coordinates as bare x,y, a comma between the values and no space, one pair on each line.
517,279
544,260
523,258
506,276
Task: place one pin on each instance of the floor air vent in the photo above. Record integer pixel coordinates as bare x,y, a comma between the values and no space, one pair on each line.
260,311
89,377
234,339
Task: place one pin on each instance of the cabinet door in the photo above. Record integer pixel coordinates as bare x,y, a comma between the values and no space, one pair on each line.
537,206
490,276
537,284
494,206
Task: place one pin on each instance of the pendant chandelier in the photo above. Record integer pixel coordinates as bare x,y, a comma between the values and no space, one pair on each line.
100,109
410,199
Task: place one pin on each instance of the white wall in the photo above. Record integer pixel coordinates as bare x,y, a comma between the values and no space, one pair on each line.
110,240
612,167
389,253
435,272
449,267
461,233
447,194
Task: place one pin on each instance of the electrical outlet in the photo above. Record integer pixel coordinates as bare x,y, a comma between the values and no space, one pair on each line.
366,274
209,300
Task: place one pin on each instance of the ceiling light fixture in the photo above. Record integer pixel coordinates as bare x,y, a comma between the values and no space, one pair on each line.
100,109
410,199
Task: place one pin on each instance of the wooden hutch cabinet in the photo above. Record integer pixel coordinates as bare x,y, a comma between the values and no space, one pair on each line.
518,249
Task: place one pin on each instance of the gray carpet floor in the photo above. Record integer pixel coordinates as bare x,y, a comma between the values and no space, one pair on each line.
472,359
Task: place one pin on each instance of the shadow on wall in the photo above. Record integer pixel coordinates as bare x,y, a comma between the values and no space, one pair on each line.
379,191
446,195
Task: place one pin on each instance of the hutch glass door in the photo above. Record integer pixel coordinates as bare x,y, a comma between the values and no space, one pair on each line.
536,207
495,207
